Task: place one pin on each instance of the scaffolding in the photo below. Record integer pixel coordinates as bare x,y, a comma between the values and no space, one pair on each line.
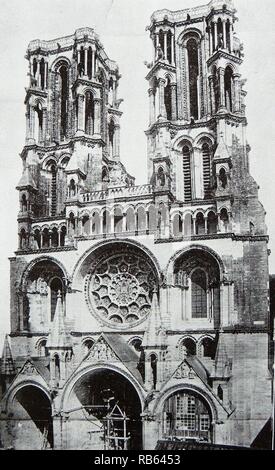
113,425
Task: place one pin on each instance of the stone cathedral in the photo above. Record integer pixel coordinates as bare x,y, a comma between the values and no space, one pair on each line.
139,313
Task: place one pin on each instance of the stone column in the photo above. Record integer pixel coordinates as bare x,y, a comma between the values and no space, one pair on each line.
219,223
44,124
165,46
50,237
97,114
215,36
210,42
224,33
157,40
124,220
95,64
174,101
101,223
46,74
236,93
231,37
193,230
151,106
32,122
153,47
92,60
162,112
86,61
38,74
115,85
81,115
186,95
116,141
222,96
212,94
172,50
205,225
197,180
112,223
28,133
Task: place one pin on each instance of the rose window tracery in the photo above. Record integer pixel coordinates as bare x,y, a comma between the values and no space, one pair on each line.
120,287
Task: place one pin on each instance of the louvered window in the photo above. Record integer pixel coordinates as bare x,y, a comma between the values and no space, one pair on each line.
187,174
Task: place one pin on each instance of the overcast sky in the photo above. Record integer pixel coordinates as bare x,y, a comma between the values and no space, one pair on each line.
121,26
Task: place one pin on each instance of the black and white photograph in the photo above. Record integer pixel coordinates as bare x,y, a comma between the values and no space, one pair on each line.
137,241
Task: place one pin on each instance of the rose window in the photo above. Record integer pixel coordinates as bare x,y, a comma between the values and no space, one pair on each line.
120,288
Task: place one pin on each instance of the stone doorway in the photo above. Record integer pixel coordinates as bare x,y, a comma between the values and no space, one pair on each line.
31,423
105,413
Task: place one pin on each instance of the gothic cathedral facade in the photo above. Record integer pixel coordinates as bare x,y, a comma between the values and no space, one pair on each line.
139,313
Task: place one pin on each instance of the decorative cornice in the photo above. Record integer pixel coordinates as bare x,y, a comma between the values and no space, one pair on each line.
160,65
47,52
251,238
36,92
115,111
45,250
225,55
209,123
220,11
89,140
29,334
176,126
89,83
215,236
192,331
245,329
49,219
46,149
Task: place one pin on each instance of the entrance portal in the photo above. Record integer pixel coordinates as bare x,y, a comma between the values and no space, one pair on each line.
107,409
32,419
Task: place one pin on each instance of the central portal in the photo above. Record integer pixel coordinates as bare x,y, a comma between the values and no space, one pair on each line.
104,413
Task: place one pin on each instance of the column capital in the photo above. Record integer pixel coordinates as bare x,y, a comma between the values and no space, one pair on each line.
150,91
221,70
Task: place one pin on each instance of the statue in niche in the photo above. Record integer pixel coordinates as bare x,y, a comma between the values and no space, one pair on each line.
80,69
160,54
220,41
